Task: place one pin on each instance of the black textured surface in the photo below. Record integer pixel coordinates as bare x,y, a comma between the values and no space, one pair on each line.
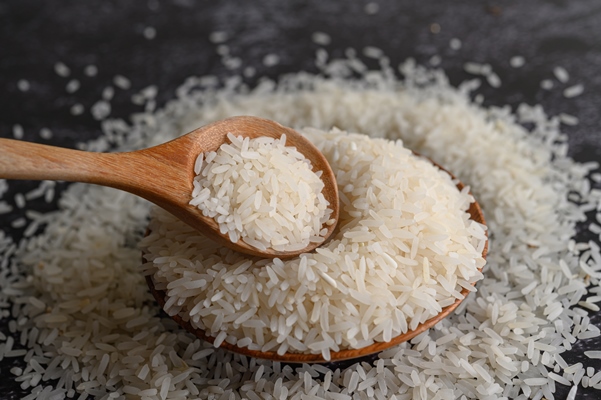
34,35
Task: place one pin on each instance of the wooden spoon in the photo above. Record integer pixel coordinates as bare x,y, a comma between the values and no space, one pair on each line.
475,213
163,174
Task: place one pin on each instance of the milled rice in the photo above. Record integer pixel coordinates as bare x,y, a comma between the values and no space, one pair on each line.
262,192
23,85
404,250
83,269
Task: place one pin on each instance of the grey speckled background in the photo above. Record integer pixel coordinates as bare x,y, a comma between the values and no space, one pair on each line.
34,35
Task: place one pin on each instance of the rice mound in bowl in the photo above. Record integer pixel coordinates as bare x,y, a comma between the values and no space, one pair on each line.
405,248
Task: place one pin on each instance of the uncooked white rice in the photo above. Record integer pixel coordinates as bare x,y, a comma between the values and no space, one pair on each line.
90,70
122,82
373,52
561,74
262,192
62,70
108,93
568,119
476,68
101,109
546,84
517,61
149,32
23,85
573,91
455,44
405,248
18,132
593,354
321,38
371,8
271,60
435,60
249,72
224,50
72,86
45,133
83,270
218,37
77,109
493,80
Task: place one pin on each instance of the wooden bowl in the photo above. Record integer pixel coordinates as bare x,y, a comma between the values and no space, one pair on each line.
475,213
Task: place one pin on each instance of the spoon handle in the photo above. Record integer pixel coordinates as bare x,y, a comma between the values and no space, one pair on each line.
143,173
33,161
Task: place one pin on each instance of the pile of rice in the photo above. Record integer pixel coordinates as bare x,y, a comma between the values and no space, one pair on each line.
404,249
263,192
82,321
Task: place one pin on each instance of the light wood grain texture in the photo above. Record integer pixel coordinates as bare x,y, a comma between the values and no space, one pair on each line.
163,174
475,213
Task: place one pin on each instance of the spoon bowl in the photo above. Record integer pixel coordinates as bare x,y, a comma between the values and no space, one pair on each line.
475,213
164,174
